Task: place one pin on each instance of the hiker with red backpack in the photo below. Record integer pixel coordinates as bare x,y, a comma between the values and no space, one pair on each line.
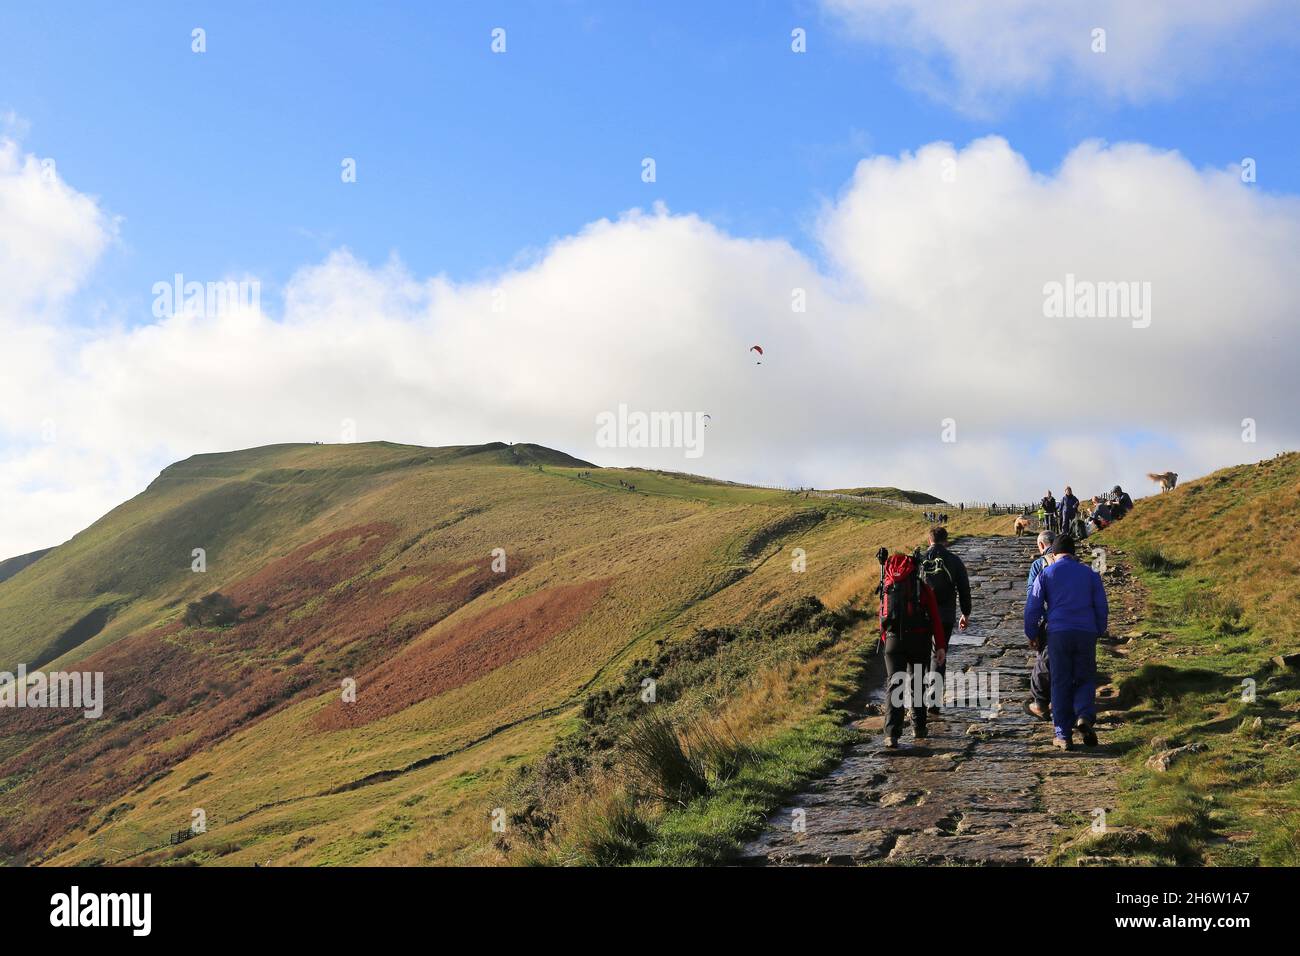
910,627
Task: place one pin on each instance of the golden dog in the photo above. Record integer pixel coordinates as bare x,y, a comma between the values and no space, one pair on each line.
1167,481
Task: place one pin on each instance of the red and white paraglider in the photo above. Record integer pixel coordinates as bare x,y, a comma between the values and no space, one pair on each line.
759,350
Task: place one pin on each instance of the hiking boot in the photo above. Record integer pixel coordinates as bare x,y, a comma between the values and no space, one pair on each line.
920,733
891,742
934,711
1036,709
1062,743
1089,735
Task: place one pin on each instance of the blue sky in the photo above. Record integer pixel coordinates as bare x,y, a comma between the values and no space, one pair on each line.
229,161
482,174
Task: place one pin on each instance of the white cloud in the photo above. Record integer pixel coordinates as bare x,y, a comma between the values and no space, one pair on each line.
50,235
930,307
975,55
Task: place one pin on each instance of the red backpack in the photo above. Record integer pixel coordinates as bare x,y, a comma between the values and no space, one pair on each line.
902,609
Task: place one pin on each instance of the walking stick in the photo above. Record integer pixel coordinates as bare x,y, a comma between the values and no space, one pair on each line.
882,555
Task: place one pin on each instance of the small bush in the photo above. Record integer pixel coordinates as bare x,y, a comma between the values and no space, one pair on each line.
212,610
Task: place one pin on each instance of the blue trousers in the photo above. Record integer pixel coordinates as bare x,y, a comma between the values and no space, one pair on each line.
1074,678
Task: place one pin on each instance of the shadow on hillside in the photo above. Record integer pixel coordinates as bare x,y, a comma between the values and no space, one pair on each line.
1160,683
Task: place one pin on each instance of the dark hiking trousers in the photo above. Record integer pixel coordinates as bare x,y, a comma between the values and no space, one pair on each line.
1040,679
1074,678
902,658
942,670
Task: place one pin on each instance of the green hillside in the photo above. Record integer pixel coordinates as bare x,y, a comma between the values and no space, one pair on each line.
370,562
488,692
1214,669
11,566
898,494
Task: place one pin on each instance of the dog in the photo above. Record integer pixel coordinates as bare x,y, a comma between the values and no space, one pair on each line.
1022,525
1167,481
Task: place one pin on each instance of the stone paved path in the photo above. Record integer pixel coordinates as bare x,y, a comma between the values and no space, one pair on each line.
985,788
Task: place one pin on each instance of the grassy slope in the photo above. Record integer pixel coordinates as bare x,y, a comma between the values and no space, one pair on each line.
1225,600
914,497
679,554
11,566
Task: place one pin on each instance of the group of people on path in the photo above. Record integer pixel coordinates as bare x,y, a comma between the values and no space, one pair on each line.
921,603
1066,517
924,598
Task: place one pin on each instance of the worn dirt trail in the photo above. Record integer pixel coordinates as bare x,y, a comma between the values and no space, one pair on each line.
985,788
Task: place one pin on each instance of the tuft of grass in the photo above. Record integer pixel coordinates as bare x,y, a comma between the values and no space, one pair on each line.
656,758
1153,558
1222,614
677,764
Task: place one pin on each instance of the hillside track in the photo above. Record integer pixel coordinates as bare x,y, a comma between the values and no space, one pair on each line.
986,787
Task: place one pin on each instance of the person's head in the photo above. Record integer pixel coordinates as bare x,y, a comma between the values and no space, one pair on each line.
1069,490
1045,541
939,535
1064,545
1049,493
1117,490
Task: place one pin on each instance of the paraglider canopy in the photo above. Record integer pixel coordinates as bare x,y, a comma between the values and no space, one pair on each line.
759,350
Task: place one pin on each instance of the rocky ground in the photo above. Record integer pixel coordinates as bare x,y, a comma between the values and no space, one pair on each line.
986,787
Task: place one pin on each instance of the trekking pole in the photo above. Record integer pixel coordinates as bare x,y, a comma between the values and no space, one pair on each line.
882,556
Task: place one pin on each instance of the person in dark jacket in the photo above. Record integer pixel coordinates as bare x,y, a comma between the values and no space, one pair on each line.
947,577
1040,677
1048,504
1123,504
1069,596
907,658
1069,508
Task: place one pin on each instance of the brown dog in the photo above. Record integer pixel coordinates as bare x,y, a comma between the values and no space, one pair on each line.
1022,525
1167,480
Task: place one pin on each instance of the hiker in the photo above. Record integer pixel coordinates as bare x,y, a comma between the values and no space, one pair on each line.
909,619
1069,508
1040,678
1049,511
1102,515
1123,504
1069,597
946,575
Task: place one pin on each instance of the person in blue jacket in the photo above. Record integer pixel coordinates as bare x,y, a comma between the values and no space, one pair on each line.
1069,508
1069,596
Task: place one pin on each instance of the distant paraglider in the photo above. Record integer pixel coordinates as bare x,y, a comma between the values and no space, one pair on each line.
759,350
